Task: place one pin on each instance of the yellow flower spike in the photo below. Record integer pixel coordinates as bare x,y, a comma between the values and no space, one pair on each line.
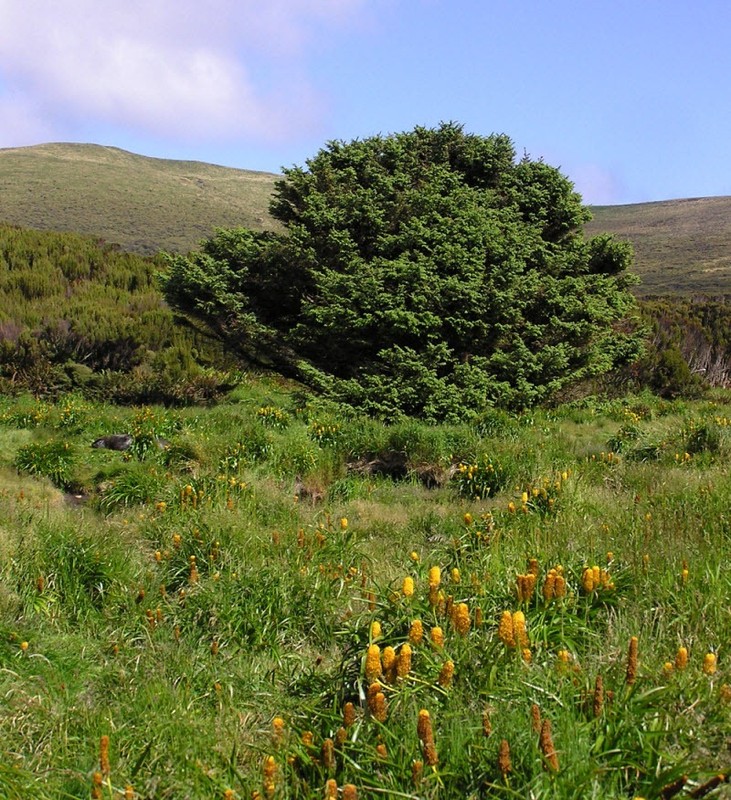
505,629
526,655
343,523
597,575
524,498
563,658
350,792
667,669
408,586
331,789
415,557
549,586
380,707
587,580
511,507
519,629
684,576
709,663
437,636
560,586
373,663
468,518
24,646
416,632
403,663
681,658
456,575
446,674
435,577
270,770
376,631
388,661
462,620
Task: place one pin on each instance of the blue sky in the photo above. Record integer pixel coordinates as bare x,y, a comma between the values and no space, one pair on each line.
632,100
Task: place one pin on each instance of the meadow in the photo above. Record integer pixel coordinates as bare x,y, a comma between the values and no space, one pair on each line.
294,601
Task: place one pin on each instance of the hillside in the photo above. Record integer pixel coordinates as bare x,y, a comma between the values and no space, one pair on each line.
148,204
142,204
681,246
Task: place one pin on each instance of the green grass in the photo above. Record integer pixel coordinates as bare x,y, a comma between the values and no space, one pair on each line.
191,600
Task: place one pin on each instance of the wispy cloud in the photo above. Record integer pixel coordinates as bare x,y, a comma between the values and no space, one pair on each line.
213,71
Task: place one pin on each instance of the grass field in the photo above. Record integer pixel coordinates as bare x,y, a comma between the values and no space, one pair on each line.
276,606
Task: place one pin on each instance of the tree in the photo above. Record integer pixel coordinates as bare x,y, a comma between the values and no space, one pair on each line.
425,273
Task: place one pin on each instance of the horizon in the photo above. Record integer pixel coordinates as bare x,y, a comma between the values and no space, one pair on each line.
279,174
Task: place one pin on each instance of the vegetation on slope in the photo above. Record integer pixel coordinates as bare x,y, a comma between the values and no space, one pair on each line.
75,313
682,247
141,204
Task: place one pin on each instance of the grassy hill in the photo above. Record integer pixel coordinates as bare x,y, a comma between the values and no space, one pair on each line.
681,246
149,204
142,204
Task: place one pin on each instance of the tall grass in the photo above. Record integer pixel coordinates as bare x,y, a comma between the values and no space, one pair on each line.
232,635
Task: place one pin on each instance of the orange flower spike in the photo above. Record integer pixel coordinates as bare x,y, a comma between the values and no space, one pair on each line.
348,714
681,658
503,759
104,765
407,588
631,673
547,746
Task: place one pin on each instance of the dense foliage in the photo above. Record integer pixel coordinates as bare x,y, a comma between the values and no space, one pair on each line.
75,313
425,273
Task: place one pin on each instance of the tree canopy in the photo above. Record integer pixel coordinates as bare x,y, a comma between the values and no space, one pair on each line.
427,273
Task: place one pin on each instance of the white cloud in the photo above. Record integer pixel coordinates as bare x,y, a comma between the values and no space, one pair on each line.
213,70
596,184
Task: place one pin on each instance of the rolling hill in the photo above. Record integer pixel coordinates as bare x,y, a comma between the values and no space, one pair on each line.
141,204
148,204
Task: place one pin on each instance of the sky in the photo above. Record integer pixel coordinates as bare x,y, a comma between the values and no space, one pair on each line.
631,99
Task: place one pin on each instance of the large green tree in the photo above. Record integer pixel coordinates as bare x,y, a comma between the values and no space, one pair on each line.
425,273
